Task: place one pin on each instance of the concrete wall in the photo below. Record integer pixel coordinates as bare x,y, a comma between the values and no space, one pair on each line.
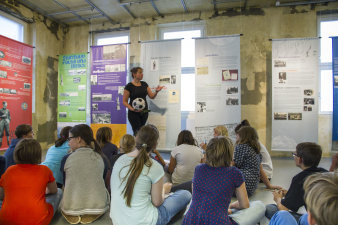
257,27
47,37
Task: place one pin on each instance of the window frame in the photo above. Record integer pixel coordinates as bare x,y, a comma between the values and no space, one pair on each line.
16,20
111,34
324,65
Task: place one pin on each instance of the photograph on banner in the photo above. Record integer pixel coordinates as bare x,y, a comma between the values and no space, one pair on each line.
16,88
218,99
294,92
108,78
72,88
161,63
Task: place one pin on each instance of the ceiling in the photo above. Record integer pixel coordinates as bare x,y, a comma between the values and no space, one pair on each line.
72,12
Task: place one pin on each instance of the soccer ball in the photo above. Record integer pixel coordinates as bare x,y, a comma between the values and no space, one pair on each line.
138,104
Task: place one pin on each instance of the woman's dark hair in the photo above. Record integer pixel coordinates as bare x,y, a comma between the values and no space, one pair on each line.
22,129
85,133
134,70
185,137
27,151
242,124
104,136
248,135
146,141
64,134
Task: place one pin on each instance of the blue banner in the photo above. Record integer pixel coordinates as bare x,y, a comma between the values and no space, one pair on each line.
335,88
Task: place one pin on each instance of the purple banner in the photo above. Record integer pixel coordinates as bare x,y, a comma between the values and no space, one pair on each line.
108,78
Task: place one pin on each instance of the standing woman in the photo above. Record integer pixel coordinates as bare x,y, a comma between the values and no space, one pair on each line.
56,153
85,196
137,186
137,89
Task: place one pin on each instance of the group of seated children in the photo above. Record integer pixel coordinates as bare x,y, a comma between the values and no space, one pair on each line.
129,182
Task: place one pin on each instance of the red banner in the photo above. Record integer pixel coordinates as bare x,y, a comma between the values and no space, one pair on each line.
16,61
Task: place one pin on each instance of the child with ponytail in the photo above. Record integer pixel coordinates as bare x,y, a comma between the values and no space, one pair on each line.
56,153
85,196
137,186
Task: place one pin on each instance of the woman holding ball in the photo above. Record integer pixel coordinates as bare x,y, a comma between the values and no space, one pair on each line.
136,91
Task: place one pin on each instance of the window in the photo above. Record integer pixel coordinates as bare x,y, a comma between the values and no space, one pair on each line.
111,38
187,60
328,27
11,28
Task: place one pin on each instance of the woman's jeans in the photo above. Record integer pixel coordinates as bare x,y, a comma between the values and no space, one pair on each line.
172,205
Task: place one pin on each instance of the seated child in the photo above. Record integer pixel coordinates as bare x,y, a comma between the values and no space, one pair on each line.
214,184
321,198
307,157
23,188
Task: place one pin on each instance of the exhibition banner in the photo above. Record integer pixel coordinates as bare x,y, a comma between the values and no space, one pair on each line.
294,92
16,60
218,85
335,88
108,78
72,89
161,61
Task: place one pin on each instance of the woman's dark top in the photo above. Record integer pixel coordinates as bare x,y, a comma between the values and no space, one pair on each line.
109,150
137,92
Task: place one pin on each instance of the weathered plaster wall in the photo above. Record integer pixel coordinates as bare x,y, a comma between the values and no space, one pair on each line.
47,38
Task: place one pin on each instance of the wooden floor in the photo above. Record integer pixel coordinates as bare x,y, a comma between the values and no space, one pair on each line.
284,170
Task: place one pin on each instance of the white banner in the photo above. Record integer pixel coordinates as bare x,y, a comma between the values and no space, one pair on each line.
161,61
218,84
294,92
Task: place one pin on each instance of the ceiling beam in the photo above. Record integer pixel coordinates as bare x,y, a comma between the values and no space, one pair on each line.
71,11
128,11
184,6
156,9
86,17
100,11
224,1
36,8
278,3
129,2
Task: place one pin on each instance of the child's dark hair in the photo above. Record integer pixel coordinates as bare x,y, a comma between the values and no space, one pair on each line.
310,152
104,136
242,124
22,129
27,151
185,137
248,135
85,133
64,134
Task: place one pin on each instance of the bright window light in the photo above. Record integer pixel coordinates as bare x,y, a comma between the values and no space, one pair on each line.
187,60
326,97
112,40
188,94
188,45
327,29
11,29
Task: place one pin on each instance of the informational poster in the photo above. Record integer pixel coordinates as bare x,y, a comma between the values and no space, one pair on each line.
16,60
108,78
294,92
335,88
161,61
218,84
72,89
